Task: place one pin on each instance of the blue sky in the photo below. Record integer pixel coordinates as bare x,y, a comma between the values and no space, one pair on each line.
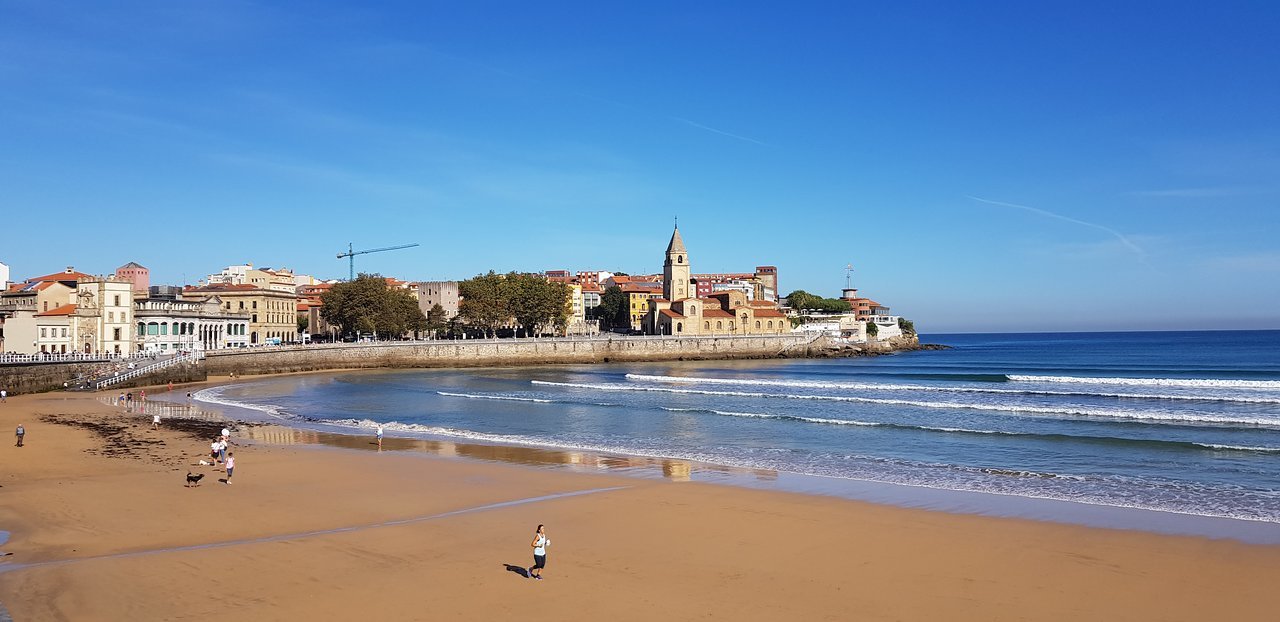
1012,166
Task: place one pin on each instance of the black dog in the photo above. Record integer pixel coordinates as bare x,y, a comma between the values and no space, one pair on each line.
194,480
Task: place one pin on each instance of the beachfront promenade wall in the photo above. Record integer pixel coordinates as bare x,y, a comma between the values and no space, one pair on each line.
503,352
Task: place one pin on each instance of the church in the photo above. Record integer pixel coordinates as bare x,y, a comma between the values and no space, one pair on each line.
680,312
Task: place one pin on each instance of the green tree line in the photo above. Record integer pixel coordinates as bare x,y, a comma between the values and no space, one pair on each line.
368,305
527,301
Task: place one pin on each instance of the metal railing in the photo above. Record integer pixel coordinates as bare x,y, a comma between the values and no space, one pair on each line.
70,357
186,357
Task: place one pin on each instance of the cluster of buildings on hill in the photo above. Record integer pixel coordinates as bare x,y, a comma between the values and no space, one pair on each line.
242,306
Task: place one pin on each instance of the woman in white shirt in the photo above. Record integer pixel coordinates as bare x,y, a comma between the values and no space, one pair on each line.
540,544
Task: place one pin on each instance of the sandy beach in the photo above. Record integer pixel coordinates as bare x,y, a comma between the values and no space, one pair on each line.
102,528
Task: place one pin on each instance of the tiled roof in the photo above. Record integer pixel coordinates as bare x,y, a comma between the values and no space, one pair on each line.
671,314
133,265
769,313
716,313
61,276
63,310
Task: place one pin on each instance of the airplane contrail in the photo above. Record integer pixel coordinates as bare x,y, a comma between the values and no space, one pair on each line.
1035,210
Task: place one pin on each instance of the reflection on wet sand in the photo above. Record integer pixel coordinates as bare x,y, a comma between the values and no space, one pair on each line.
674,470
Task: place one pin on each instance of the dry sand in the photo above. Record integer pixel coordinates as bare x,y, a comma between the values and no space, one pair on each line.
96,506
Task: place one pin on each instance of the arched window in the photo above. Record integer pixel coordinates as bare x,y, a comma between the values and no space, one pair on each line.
679,258
770,323
757,324
719,324
679,327
706,326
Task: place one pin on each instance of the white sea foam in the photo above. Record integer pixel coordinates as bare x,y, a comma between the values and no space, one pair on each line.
875,386
473,396
213,395
1153,382
1143,415
1239,448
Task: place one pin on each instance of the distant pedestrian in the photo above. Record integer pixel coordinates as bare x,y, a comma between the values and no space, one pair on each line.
188,396
213,452
120,400
540,544
170,385
231,465
4,395
128,398
21,432
155,422
379,436
142,395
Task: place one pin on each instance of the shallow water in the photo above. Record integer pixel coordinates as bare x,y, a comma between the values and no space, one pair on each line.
1175,423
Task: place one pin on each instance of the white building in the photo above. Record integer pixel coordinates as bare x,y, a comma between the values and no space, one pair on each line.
4,276
167,323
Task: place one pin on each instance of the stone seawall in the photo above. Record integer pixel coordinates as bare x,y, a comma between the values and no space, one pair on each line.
41,377
503,352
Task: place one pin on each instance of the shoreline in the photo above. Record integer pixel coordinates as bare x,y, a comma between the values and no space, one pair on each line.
674,467
326,531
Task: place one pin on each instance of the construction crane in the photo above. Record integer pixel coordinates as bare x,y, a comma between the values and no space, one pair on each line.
351,256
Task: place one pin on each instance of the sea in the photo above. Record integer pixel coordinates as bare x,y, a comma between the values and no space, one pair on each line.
1161,423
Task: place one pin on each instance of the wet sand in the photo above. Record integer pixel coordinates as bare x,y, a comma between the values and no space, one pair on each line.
103,529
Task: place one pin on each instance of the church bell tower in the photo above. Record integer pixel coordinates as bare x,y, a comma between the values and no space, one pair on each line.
676,283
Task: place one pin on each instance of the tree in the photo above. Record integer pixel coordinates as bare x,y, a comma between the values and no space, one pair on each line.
484,305
613,310
367,305
801,300
872,329
907,326
436,321
303,322
536,303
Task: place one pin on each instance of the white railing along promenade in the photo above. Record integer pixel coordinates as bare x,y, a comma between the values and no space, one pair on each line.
185,357
572,339
70,357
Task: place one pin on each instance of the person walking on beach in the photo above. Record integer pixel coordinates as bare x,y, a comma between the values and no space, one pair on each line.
213,452
540,544
4,395
222,449
142,395
379,436
231,465
20,433
155,422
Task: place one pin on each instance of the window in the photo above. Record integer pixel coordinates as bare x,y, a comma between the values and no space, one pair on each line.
706,325
111,316
730,325
254,319
679,258
679,327
42,333
770,323
46,305
719,324
255,304
115,334
64,333
757,324
164,328
242,305
117,300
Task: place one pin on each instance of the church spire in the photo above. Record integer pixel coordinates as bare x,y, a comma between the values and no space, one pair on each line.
677,244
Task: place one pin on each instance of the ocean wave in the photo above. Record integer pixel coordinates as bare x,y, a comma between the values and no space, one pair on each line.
1082,438
1153,382
875,386
1141,416
213,395
474,396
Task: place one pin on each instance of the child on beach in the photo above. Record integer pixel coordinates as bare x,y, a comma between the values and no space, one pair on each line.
155,422
213,452
231,465
20,433
379,436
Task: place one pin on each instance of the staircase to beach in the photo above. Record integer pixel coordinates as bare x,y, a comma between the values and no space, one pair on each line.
106,381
